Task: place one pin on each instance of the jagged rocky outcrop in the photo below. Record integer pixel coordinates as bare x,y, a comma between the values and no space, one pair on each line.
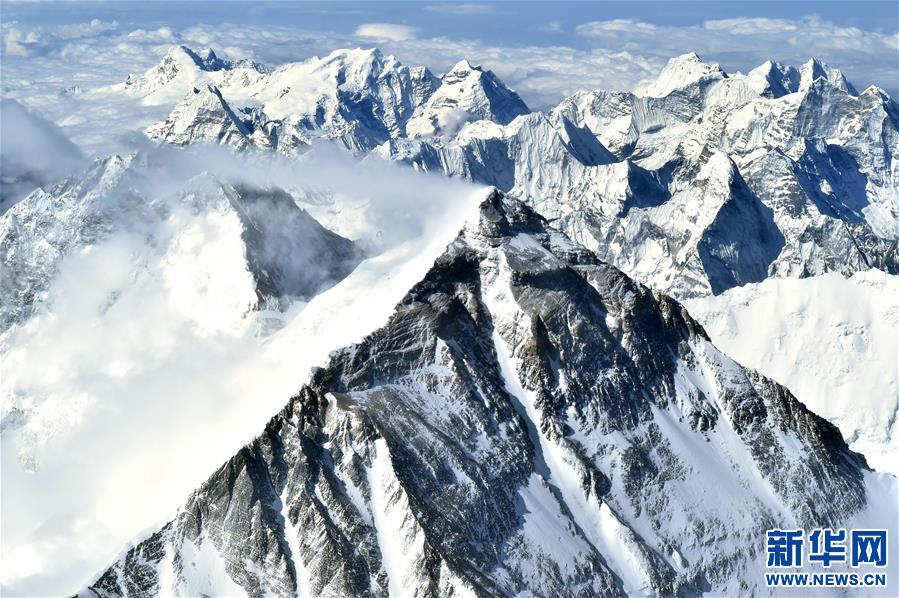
530,420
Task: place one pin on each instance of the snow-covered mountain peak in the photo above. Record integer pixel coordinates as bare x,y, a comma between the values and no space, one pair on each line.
361,97
182,68
205,59
359,63
466,93
463,67
681,71
181,57
178,62
205,184
718,167
204,115
528,414
354,55
773,79
468,124
814,69
875,91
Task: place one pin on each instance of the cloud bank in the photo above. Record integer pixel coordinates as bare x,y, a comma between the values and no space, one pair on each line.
616,54
35,152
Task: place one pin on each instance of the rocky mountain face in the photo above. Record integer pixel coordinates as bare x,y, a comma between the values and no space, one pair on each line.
530,420
652,183
840,334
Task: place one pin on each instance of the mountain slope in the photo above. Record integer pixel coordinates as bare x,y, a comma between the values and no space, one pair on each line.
529,420
841,336
165,325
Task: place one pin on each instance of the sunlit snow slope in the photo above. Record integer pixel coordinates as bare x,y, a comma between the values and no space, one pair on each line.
830,340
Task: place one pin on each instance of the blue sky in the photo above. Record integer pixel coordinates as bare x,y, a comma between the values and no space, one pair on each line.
507,22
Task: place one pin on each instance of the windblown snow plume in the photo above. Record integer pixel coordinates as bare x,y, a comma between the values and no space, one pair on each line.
159,307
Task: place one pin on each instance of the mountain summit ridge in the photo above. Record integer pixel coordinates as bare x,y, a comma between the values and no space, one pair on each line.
524,397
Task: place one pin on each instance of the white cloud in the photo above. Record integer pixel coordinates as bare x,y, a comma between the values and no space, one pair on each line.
752,26
598,28
161,35
461,8
36,153
40,40
386,31
93,27
17,42
552,27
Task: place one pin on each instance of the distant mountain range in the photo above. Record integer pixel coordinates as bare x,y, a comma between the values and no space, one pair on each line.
654,183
